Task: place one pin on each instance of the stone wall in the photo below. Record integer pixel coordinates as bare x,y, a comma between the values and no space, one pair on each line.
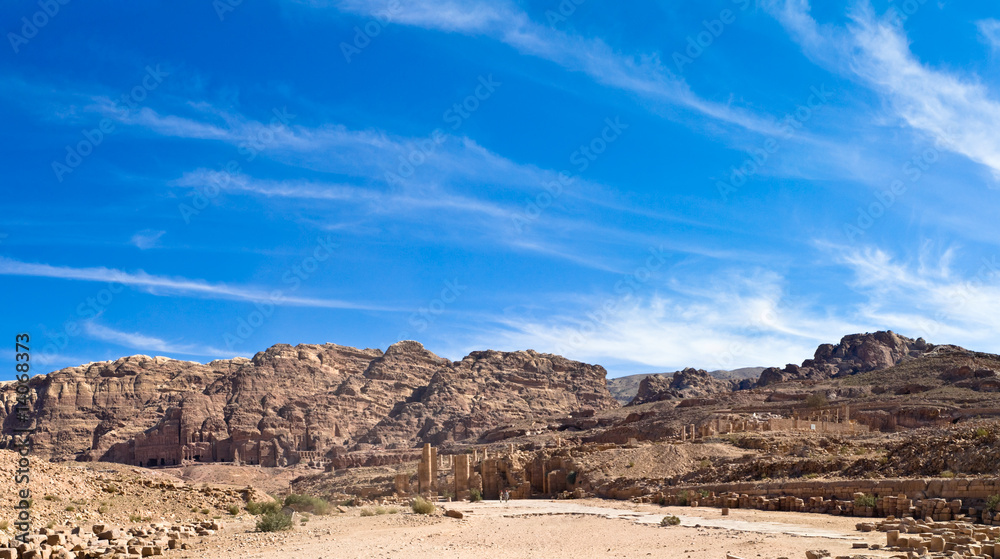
937,499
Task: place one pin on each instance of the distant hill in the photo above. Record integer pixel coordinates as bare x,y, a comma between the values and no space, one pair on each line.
625,388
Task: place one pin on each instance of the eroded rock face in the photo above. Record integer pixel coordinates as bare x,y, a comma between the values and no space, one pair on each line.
856,353
688,383
296,404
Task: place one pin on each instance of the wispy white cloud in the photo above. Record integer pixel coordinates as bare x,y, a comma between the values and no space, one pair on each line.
149,344
928,296
989,32
737,319
160,285
733,321
642,75
147,239
958,112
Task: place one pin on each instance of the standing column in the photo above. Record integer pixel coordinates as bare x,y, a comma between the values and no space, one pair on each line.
434,469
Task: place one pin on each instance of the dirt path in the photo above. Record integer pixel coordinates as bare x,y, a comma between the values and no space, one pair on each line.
535,528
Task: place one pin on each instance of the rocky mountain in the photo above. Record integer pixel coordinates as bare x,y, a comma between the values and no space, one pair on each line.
856,353
688,383
294,404
626,387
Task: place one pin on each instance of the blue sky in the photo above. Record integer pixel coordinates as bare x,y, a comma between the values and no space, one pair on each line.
645,186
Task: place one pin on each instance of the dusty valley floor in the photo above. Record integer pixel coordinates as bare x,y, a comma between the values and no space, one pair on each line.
542,528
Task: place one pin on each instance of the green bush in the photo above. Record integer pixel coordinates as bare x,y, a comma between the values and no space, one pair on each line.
274,521
367,512
864,501
817,400
992,501
682,498
234,509
263,508
670,521
422,506
393,510
307,503
475,495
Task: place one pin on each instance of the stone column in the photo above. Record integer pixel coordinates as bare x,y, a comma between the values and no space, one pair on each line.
462,476
424,470
434,469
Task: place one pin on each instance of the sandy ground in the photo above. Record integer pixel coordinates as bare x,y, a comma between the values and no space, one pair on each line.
536,528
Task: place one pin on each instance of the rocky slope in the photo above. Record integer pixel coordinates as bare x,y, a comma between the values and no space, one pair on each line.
857,353
295,404
689,383
626,387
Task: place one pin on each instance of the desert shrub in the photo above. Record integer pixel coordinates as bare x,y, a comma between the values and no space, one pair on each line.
631,464
205,511
367,512
992,501
706,463
393,510
51,498
865,500
475,495
71,508
670,521
347,503
422,506
307,503
703,493
380,510
4,524
817,400
682,498
948,474
234,509
103,509
263,508
134,518
274,521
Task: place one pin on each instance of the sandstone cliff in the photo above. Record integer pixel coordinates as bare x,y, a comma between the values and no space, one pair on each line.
296,404
688,383
857,353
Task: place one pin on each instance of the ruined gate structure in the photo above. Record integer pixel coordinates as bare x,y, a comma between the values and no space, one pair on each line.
523,474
